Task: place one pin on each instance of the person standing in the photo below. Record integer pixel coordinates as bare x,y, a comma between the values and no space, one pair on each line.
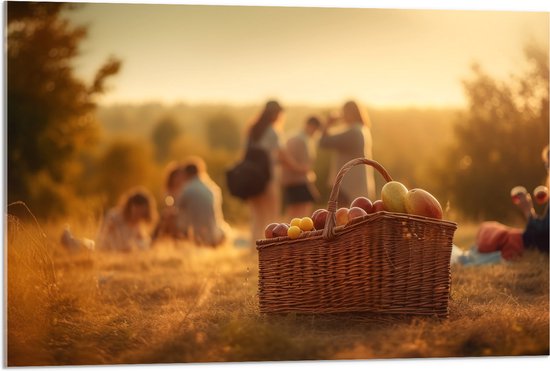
352,142
299,189
265,134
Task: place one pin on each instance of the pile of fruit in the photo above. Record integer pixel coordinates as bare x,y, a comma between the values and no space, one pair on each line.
395,198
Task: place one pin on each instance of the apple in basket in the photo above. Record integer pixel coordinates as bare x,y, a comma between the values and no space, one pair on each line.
377,206
306,224
342,216
393,196
354,213
281,230
294,232
421,202
268,232
364,203
319,218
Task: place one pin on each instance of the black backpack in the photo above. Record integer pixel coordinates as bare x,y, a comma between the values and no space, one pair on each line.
250,176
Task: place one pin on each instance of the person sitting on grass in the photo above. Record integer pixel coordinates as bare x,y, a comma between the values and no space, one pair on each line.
199,205
127,226
496,242
175,180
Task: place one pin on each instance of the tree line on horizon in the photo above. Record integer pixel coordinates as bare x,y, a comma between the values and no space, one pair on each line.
66,154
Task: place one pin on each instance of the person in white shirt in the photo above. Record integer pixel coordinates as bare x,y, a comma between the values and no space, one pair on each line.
299,191
127,227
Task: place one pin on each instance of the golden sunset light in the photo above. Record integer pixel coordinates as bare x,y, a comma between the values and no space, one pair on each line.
221,183
241,54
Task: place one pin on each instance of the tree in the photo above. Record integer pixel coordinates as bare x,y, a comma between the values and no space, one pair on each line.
126,163
223,131
164,134
50,110
500,140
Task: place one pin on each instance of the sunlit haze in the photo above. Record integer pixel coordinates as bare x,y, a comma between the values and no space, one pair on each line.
240,54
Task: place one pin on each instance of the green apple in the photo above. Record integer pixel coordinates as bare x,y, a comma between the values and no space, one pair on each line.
393,196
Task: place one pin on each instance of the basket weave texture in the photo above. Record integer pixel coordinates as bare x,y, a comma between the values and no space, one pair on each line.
385,262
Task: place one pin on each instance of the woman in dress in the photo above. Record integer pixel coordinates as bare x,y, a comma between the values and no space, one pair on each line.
353,141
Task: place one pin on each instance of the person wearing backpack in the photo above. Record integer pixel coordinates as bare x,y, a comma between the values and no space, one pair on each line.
264,134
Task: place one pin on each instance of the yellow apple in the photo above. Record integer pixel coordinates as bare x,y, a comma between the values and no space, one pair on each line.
393,196
306,224
295,222
294,232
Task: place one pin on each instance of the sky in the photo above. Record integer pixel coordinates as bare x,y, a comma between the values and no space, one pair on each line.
246,54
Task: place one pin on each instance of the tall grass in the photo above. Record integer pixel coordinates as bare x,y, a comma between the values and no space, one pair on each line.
178,303
31,288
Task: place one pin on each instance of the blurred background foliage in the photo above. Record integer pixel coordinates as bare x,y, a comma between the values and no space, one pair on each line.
69,157
499,140
50,112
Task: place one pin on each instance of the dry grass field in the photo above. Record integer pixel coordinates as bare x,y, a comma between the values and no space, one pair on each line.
177,303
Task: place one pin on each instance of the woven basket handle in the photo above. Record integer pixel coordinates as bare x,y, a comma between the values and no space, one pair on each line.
328,232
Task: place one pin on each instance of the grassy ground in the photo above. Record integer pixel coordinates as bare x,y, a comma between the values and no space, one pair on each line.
177,303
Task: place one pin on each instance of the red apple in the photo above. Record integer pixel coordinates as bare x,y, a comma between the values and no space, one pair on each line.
355,212
421,202
364,203
377,206
319,218
281,230
314,215
268,232
342,216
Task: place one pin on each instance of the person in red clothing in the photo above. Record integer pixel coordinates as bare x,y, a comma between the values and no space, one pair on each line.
496,241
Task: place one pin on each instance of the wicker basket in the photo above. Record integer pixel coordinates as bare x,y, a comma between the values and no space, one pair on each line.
384,262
